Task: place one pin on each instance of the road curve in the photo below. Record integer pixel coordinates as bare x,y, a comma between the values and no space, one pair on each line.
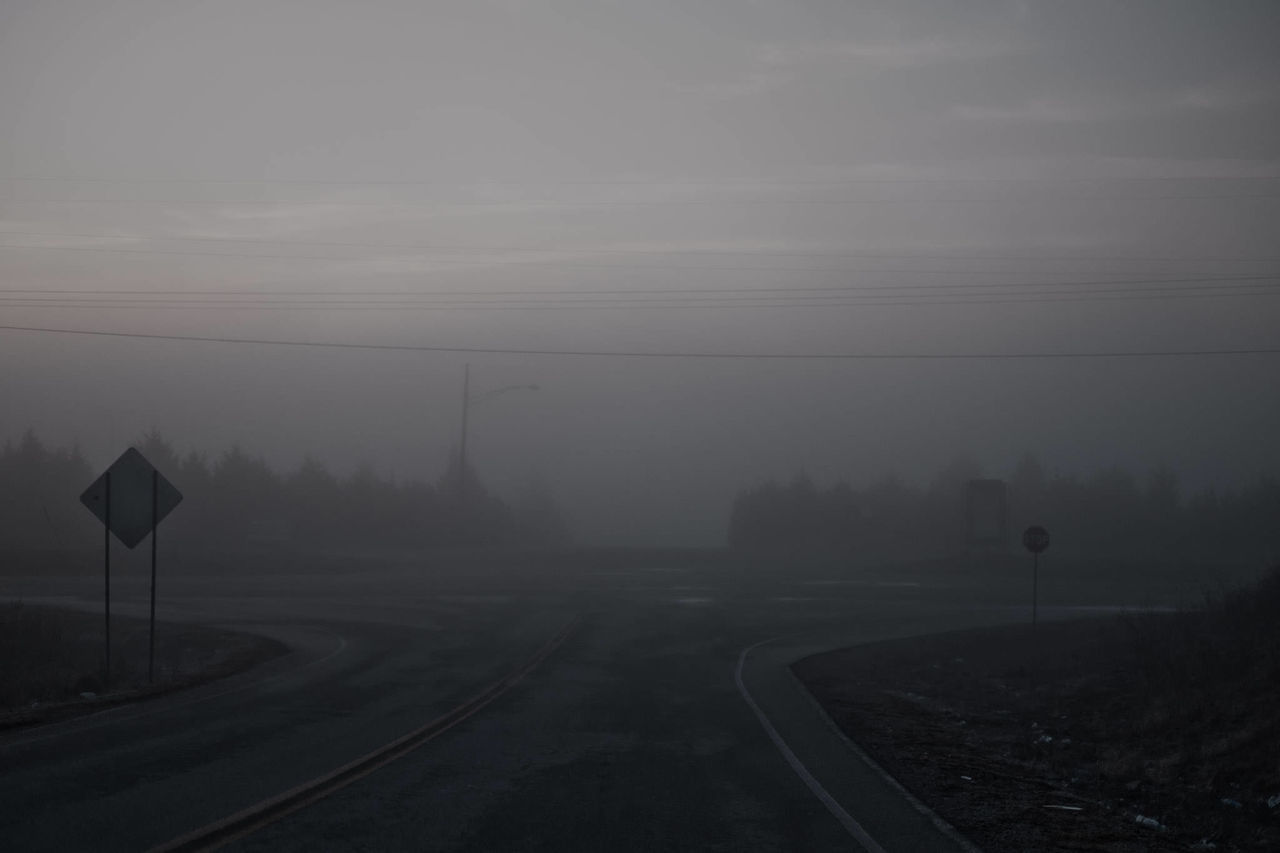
633,735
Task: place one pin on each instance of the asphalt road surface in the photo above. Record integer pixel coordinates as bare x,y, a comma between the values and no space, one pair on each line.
666,719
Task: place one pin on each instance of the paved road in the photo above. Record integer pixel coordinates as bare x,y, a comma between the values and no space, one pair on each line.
634,735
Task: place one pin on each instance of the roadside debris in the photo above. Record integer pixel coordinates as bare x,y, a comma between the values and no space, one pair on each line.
1026,754
1150,823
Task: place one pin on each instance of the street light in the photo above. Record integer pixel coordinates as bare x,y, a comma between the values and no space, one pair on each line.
467,402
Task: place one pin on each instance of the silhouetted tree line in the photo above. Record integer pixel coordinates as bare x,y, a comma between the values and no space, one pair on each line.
236,499
1112,510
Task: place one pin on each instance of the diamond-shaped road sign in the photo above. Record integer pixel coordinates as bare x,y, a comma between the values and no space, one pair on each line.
132,516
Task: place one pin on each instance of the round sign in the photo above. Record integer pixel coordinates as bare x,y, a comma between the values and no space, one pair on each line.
1035,538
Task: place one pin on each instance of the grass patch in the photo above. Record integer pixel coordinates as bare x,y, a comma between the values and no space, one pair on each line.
1062,739
51,658
1206,704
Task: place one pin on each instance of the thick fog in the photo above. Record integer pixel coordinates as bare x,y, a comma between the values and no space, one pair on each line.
891,179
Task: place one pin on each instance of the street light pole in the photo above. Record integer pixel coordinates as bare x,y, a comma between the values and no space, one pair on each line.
467,401
462,442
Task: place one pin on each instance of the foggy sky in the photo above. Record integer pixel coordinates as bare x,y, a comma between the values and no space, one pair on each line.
622,146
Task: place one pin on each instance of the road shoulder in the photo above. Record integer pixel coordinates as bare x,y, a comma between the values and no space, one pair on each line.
883,815
1045,739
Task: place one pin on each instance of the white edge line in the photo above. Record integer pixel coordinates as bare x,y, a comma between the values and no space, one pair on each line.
846,820
936,819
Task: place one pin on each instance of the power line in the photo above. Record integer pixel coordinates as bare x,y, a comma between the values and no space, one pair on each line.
775,356
580,250
613,306
852,296
661,182
659,267
823,303
779,290
824,202
490,262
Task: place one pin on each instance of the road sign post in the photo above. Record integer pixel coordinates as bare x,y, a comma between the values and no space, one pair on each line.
1035,539
131,498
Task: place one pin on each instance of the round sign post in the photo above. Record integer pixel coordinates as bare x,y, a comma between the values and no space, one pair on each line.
1035,539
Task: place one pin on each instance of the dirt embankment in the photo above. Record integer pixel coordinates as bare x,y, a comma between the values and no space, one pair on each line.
51,660
1142,732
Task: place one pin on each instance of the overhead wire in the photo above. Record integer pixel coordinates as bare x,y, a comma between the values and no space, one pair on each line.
789,296
664,182
779,291
473,249
598,307
643,354
765,301
490,262
655,267
543,202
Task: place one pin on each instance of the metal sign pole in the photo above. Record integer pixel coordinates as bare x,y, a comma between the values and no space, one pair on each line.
106,573
1035,583
1035,539
155,526
130,474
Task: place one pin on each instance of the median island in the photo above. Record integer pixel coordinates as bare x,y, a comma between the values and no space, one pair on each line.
1131,733
51,661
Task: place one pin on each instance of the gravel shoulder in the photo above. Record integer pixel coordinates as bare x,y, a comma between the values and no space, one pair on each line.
1066,738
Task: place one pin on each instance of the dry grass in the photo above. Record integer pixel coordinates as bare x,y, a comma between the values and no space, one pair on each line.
1209,684
1171,716
50,656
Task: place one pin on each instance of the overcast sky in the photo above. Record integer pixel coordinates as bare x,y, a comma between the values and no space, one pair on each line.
889,178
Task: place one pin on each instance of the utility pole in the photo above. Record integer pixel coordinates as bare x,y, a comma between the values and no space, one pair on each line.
462,442
468,400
